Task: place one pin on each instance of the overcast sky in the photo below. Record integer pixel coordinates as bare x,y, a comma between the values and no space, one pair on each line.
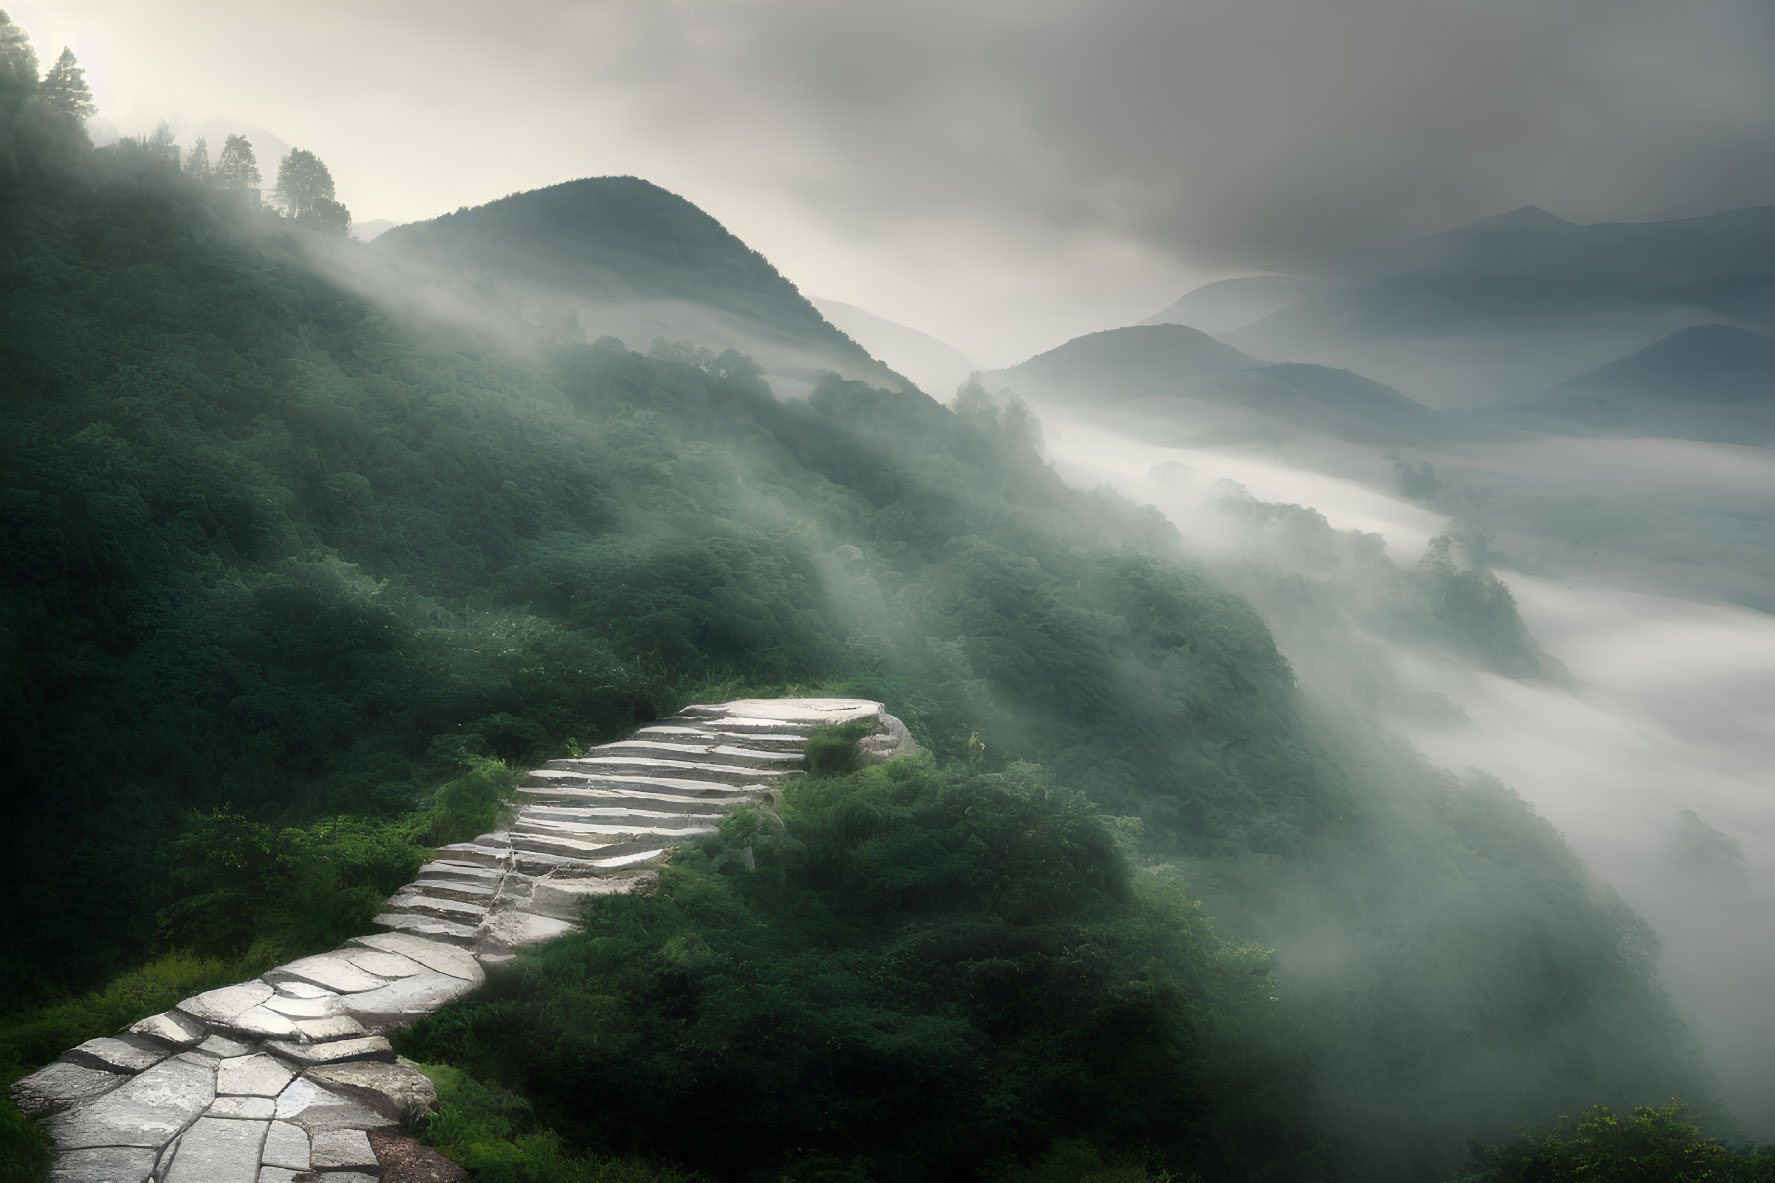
1003,174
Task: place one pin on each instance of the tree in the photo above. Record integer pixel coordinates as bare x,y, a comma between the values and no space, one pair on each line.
305,189
197,161
64,89
18,61
237,169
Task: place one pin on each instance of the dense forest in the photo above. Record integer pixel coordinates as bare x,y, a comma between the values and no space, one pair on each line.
293,578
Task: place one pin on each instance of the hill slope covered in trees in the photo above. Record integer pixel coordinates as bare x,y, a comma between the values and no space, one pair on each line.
280,562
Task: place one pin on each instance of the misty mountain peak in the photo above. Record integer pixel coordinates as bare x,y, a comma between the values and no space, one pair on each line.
1527,217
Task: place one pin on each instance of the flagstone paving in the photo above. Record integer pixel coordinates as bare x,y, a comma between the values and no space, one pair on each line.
263,1080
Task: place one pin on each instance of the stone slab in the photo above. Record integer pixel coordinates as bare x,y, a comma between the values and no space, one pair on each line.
325,969
301,990
382,964
286,1146
330,1028
565,899
146,1110
426,926
243,1108
218,1151
517,930
433,955
316,1109
61,1084
390,1089
252,1076
223,1048
339,1051
306,1008
218,1007
127,1054
261,1022
105,1164
406,1000
171,1028
344,1150
284,1175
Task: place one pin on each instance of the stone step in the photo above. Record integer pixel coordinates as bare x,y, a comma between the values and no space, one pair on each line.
562,844
427,926
468,872
651,810
457,889
474,852
339,1051
672,787
566,899
611,830
595,856
756,757
417,903
682,733
688,768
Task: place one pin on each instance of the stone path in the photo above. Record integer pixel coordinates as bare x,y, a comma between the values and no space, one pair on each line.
282,1077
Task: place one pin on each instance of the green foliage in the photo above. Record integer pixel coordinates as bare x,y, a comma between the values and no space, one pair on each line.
1648,1145
937,969
493,1132
242,884
470,805
34,1036
64,90
24,1151
832,749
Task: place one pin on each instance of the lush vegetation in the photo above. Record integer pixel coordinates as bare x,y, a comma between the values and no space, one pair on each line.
917,973
1649,1145
289,580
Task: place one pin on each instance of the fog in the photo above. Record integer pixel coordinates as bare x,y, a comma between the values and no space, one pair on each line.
1665,708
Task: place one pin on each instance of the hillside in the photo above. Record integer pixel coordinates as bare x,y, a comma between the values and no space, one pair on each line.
1193,386
634,262
296,575
1712,382
1125,363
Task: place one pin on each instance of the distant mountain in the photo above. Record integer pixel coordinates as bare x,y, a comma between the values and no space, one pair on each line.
1190,381
1489,312
1228,304
371,230
937,366
1712,382
1121,364
1527,217
634,261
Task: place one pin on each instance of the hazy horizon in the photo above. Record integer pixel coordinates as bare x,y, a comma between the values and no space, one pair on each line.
1000,177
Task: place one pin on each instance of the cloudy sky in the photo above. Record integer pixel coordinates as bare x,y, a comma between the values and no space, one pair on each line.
1001,173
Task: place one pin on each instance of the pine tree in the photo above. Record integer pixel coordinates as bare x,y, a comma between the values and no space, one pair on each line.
18,61
64,88
237,169
197,161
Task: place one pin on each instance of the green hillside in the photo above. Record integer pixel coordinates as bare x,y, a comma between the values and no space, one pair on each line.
633,261
279,563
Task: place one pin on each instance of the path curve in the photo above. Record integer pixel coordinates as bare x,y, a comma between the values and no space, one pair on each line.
262,1081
